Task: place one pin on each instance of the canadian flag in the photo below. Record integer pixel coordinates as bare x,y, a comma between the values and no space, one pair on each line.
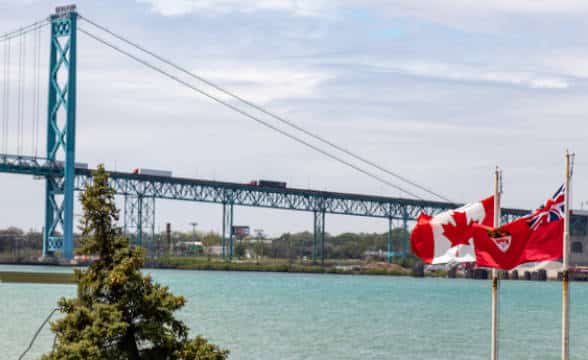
448,237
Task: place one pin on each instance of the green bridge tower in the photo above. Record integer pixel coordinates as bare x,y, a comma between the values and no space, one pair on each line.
61,128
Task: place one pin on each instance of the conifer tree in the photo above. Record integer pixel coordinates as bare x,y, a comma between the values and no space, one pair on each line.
119,313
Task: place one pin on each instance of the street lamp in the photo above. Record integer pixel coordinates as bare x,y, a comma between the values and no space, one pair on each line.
259,244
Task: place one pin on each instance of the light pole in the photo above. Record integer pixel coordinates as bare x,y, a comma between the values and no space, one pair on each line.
259,243
194,224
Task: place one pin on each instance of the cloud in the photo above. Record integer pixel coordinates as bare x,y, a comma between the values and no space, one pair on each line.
457,72
266,82
467,7
458,14
457,8
477,16
570,62
183,7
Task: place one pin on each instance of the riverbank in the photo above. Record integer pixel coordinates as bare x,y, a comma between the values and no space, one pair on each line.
37,277
278,266
341,267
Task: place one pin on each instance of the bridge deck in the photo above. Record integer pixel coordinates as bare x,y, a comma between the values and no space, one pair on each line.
186,189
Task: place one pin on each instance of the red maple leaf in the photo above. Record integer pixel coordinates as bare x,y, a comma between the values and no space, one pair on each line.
460,232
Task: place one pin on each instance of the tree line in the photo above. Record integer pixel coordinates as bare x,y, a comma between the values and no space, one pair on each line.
348,245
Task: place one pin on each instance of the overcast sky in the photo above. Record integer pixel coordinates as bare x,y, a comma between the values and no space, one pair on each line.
438,91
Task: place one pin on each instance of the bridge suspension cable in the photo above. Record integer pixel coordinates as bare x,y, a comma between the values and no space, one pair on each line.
6,94
267,112
24,30
246,114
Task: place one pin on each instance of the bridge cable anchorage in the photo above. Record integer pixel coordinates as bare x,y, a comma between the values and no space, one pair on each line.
248,115
267,112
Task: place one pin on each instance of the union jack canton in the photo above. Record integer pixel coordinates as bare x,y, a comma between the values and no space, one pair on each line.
553,210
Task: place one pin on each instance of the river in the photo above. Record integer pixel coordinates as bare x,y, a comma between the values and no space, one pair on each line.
263,316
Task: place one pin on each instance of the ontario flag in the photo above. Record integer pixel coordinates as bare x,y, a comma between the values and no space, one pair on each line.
448,237
534,237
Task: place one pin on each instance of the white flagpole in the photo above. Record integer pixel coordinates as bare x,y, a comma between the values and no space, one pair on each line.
565,326
494,337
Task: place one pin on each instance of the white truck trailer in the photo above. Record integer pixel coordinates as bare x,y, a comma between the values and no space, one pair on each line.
152,172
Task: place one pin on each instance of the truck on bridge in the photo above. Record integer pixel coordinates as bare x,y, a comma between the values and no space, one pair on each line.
268,184
152,172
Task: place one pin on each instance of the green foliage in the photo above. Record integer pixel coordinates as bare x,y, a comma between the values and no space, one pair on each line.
120,313
342,246
211,239
240,250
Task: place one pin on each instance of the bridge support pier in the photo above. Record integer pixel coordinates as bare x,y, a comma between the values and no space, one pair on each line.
389,251
405,235
319,236
139,219
227,239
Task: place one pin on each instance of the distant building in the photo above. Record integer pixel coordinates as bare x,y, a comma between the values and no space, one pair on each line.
215,250
579,238
257,241
189,248
375,254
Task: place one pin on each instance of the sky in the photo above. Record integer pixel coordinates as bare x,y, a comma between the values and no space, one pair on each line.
441,92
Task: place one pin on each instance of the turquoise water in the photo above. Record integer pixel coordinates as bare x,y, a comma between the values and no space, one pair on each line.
300,316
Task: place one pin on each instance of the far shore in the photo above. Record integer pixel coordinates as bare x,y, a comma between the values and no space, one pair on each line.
341,267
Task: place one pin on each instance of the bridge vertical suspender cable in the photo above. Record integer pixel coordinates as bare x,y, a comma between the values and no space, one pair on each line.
21,93
248,115
267,112
18,94
36,92
8,76
4,82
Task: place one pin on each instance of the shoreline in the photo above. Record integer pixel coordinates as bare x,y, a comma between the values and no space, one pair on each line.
250,267
373,269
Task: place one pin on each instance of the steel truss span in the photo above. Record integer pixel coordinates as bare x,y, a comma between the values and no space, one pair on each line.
240,194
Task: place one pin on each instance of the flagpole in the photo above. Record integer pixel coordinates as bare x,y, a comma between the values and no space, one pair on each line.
494,337
565,326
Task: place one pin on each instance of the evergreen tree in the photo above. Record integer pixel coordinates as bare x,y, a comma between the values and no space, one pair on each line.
120,313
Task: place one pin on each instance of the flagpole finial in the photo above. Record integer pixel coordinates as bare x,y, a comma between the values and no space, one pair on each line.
498,180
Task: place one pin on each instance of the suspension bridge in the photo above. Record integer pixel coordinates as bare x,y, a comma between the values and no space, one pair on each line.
64,175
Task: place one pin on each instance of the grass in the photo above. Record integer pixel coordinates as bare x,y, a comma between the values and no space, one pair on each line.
331,266
37,277
274,265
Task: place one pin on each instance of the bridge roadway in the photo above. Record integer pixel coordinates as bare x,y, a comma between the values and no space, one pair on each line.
175,188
